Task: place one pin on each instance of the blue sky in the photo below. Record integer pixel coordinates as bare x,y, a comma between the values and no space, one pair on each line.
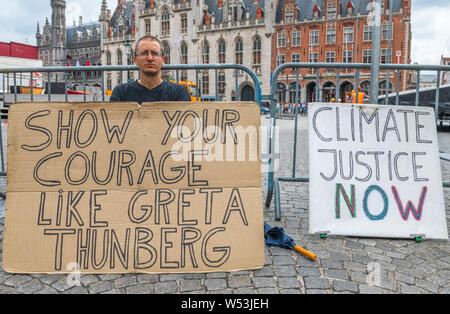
430,23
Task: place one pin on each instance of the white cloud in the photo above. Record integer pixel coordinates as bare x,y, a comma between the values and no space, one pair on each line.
430,38
73,11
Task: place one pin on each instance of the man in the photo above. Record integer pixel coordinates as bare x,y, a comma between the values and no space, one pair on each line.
358,97
150,87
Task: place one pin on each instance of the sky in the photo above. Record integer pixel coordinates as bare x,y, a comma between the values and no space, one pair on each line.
430,23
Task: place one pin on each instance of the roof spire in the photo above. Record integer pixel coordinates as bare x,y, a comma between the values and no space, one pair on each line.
104,6
104,11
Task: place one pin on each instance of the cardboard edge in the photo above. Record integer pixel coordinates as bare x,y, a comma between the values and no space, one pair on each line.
17,106
158,105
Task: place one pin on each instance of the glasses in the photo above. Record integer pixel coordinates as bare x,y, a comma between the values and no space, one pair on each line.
146,53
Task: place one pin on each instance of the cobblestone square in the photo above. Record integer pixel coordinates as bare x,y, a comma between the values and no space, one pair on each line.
344,264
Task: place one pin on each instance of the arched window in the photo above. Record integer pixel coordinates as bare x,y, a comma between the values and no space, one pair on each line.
108,81
166,52
205,82
205,52
256,60
382,88
165,23
293,92
148,27
222,51
239,51
281,90
108,58
184,52
233,13
221,83
119,57
184,23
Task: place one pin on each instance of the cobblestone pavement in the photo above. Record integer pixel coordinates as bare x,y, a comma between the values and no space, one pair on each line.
344,264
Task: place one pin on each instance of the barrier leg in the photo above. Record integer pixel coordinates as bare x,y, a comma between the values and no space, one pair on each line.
270,179
1,148
269,189
277,200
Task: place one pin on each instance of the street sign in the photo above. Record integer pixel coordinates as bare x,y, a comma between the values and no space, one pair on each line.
398,53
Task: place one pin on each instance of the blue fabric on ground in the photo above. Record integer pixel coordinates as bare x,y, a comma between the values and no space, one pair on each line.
276,237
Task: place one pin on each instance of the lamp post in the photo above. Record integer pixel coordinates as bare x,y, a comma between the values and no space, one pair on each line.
375,66
389,54
129,51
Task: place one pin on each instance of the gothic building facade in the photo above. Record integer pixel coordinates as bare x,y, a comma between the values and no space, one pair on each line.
195,31
260,34
77,45
52,41
118,35
238,32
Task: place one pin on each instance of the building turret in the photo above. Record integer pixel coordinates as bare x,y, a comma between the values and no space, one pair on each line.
58,40
104,12
38,36
269,13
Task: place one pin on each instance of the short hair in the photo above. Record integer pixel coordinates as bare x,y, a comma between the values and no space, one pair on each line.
148,37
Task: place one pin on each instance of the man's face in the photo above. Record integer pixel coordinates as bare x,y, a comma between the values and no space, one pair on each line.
149,57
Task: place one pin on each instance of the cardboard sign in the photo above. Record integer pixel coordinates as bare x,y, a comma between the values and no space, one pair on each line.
118,188
375,171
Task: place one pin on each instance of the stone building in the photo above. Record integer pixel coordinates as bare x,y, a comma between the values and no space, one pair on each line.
195,31
336,31
83,48
238,32
174,23
78,45
118,38
52,42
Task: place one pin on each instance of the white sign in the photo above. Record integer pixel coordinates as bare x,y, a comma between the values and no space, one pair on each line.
375,171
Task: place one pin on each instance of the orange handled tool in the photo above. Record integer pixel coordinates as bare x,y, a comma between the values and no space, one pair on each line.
305,252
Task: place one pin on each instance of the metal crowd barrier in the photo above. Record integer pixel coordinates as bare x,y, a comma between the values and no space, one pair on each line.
102,69
273,184
122,68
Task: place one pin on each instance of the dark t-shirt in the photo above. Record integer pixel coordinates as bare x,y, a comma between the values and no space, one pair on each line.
166,91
